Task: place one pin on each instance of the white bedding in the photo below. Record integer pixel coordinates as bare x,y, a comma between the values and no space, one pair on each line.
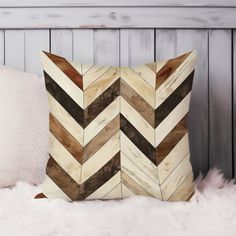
212,211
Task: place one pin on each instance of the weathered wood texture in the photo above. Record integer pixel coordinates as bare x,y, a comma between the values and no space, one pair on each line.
211,130
92,3
118,17
220,100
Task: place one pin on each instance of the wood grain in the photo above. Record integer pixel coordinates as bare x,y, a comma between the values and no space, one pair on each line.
220,100
118,17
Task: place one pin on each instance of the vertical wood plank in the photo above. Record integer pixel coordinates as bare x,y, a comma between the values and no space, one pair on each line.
166,40
137,46
188,40
106,47
62,43
15,49
2,45
83,46
220,100
35,42
234,103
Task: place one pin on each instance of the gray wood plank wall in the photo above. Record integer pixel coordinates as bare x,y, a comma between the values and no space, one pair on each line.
213,104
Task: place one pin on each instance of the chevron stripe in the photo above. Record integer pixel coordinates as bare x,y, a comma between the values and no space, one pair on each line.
95,162
64,118
140,177
100,103
169,142
172,119
132,186
100,85
174,157
166,87
65,159
136,138
173,100
184,191
169,69
93,74
117,132
64,99
139,85
62,80
66,139
85,68
176,178
101,138
100,177
101,120
101,192
66,68
126,192
146,74
137,102
52,191
134,154
115,193
137,121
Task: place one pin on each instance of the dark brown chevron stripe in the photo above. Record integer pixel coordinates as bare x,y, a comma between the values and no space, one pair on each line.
169,68
137,102
62,179
101,138
66,139
99,104
133,134
100,177
64,99
173,100
67,69
170,141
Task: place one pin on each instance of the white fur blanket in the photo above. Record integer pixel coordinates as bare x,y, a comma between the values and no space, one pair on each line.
212,211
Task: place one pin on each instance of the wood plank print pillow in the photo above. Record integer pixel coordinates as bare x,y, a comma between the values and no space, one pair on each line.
116,132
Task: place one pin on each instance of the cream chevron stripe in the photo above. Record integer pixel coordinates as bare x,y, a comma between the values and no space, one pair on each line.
146,74
77,66
64,159
172,119
140,176
65,118
100,85
126,192
176,178
133,186
173,158
115,193
94,163
134,154
93,74
137,121
139,85
184,191
106,188
52,191
101,120
63,81
170,84
86,67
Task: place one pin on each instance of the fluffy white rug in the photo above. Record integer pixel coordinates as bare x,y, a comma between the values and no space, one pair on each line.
212,211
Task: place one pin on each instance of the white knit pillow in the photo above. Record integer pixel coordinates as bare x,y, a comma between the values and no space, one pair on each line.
23,127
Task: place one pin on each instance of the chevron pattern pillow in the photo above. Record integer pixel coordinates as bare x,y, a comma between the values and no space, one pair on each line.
117,132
